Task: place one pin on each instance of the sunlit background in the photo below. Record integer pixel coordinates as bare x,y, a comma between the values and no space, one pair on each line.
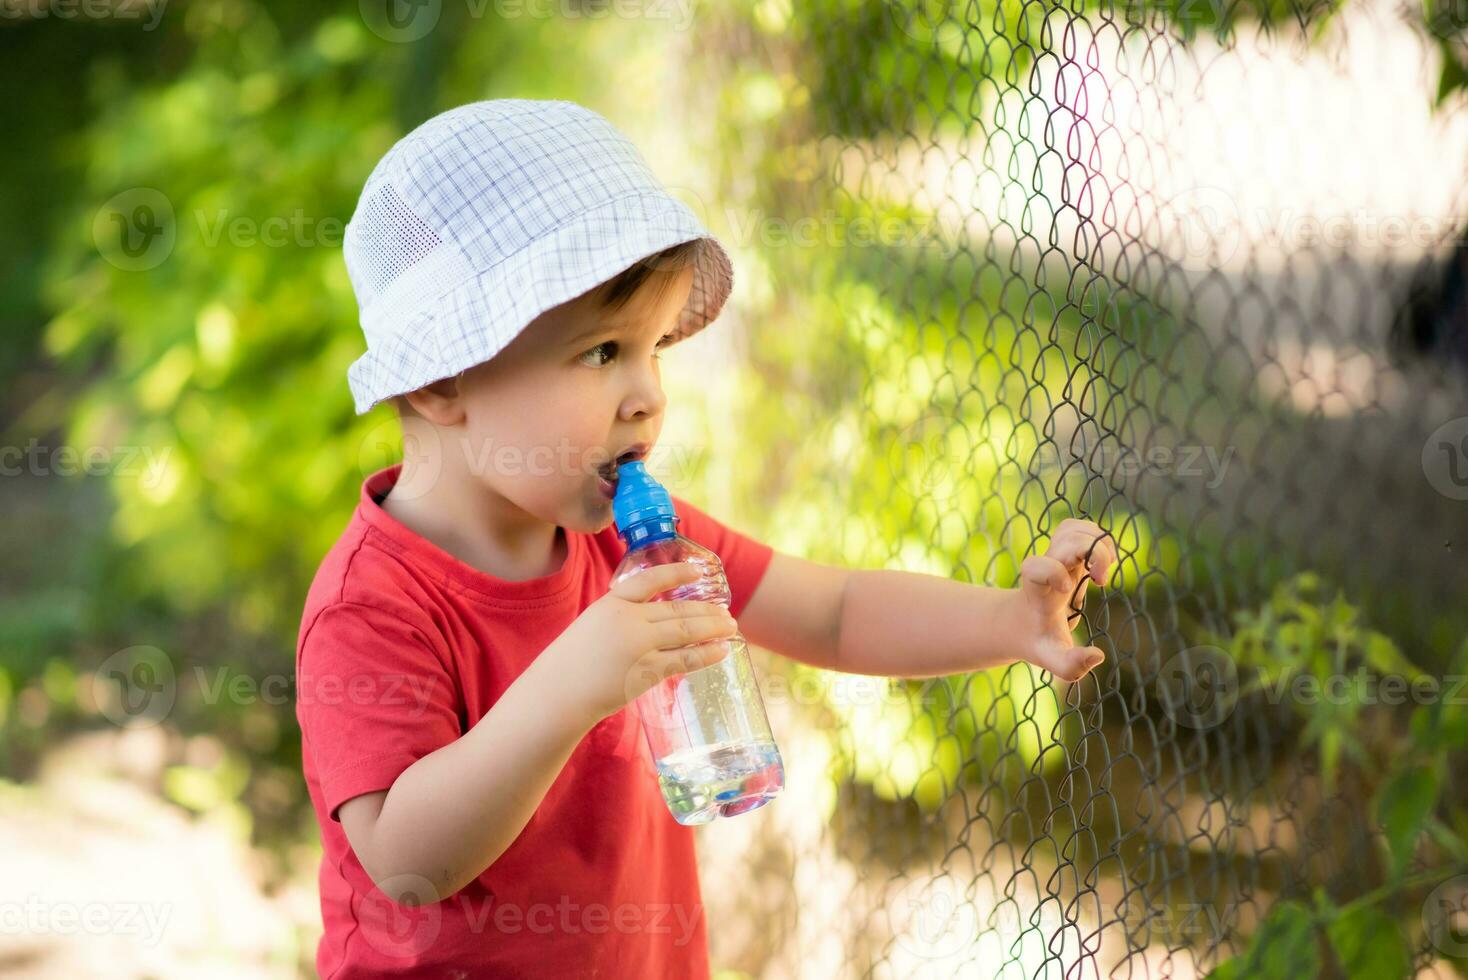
1190,269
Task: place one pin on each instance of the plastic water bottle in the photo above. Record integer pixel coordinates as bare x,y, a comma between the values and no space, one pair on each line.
706,729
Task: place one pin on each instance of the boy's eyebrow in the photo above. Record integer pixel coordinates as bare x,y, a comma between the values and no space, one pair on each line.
601,325
597,328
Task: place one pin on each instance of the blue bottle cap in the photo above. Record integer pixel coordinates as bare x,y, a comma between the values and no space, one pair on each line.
639,500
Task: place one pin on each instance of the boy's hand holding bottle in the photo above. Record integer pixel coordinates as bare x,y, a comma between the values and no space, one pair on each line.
623,643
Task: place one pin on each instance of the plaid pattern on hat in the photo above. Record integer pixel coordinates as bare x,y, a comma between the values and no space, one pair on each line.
489,214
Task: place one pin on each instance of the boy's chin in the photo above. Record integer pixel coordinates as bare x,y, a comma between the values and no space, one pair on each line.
593,521
605,521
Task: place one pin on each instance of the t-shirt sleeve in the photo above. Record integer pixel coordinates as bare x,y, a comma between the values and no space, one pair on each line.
373,696
745,558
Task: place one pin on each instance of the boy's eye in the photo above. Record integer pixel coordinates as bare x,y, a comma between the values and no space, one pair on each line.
608,349
604,346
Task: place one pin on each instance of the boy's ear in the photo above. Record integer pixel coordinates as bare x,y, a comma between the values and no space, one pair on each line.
438,402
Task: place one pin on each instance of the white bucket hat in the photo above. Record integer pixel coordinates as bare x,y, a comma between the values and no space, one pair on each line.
489,214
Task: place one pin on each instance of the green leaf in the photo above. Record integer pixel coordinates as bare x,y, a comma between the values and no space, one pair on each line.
1402,809
1384,657
1440,726
1284,948
1370,946
1232,969
1453,75
1330,756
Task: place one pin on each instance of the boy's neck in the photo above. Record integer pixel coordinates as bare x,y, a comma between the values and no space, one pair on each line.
463,522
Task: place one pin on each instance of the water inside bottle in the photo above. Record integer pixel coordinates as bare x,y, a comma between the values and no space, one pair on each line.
708,781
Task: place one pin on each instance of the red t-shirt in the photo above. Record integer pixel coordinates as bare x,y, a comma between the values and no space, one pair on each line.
402,648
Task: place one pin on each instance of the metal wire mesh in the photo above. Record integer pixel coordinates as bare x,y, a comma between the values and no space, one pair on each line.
1032,284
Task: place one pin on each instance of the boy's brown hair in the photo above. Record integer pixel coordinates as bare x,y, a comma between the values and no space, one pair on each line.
616,291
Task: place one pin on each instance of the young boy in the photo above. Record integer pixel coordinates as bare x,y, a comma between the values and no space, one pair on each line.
463,668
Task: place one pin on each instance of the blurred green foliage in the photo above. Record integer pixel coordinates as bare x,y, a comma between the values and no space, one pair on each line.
924,383
1398,745
227,359
217,364
1299,636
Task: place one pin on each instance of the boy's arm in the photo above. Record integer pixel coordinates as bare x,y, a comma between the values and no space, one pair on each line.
434,831
462,801
910,624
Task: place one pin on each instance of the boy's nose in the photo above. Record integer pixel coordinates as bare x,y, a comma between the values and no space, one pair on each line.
645,400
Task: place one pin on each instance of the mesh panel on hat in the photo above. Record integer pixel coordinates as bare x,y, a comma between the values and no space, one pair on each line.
390,239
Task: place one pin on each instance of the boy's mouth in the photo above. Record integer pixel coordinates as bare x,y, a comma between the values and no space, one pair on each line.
608,471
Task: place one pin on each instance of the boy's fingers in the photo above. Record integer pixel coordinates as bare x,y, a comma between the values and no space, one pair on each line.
669,634
1072,546
1044,573
651,581
660,665
1081,661
659,611
696,657
1103,556
1075,663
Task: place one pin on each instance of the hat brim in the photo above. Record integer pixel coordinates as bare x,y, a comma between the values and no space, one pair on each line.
478,318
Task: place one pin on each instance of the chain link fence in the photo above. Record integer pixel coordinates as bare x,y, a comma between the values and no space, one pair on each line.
1191,271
